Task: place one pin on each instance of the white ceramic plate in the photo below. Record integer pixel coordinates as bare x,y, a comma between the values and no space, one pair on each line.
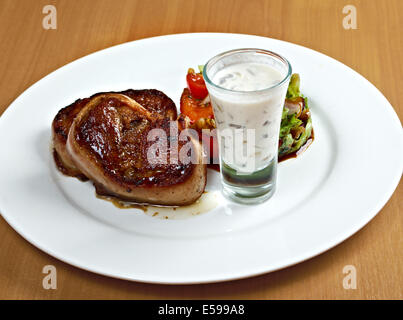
323,197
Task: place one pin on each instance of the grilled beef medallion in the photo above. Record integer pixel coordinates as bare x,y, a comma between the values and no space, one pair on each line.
107,139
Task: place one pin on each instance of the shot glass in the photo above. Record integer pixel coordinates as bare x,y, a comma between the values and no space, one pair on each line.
247,88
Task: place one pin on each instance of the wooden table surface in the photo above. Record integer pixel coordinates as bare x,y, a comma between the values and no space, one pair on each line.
375,49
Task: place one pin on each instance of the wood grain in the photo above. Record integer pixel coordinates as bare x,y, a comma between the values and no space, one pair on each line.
375,49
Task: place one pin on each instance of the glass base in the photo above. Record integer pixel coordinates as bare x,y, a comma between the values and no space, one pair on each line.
253,188
249,195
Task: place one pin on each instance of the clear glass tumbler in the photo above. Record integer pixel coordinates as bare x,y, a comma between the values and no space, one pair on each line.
247,88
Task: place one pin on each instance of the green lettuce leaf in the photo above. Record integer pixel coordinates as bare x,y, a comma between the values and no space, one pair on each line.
293,87
289,122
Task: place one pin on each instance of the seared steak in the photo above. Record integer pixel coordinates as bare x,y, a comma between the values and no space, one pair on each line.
109,142
151,99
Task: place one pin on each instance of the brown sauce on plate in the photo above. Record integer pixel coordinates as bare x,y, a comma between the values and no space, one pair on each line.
122,204
300,150
205,203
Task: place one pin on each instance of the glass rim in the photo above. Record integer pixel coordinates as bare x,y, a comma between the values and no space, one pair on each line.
245,50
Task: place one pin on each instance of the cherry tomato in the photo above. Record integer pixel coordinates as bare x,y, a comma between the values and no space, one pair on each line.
193,108
197,115
196,84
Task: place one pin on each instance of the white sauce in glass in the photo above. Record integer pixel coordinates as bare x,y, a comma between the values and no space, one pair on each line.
249,76
260,111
